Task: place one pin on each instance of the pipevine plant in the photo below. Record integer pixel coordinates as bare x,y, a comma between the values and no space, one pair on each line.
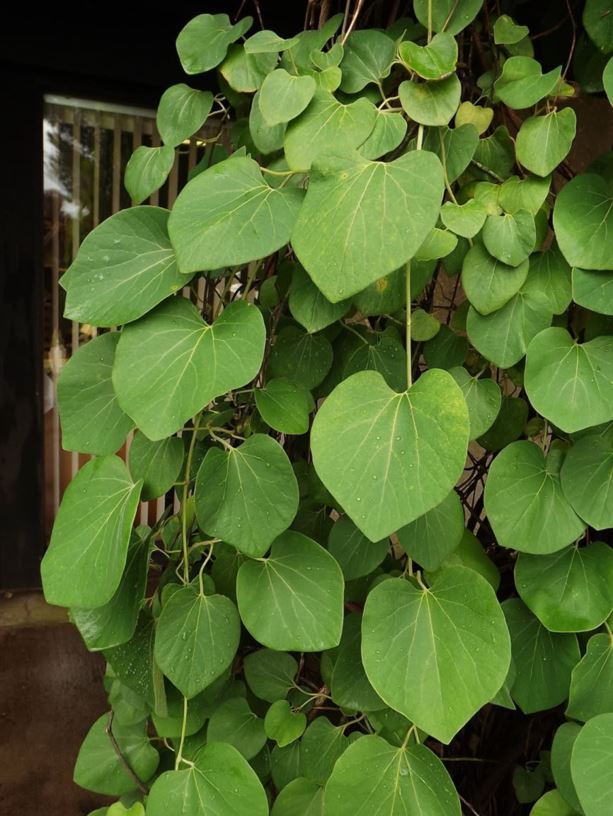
390,386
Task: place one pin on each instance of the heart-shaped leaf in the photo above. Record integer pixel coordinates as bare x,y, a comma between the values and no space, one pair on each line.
285,406
593,290
488,282
387,457
356,555
367,57
510,237
570,384
181,112
483,398
234,723
170,364
591,685
283,97
435,60
431,103
447,15
545,141
437,689
432,537
583,222
247,495
587,478
157,463
228,215
203,42
146,171
590,765
283,725
89,543
522,83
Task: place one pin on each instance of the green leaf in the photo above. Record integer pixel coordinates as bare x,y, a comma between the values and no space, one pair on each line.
488,282
283,725
524,501
115,622
503,336
234,723
308,305
386,457
446,350
455,147
545,141
570,384
561,750
543,659
483,398
583,222
203,43
132,662
389,131
587,478
549,280
593,290
170,364
265,42
228,215
469,553
367,57
510,238
349,686
448,15
590,765
424,326
528,193
146,171
285,764
219,783
431,103
437,244
591,685
569,591
464,219
91,419
182,111
599,25
507,32
379,779
552,804
247,495
522,83
356,555
432,537
320,748
300,797
469,114
292,600
267,139
300,357
269,674
439,689
378,351
341,237
528,783
158,464
386,295
89,543
196,639
124,268
607,80
435,60
508,425
285,406
100,769
244,72
283,97
327,126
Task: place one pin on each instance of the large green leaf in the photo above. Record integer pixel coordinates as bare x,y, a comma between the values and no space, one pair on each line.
524,501
99,768
438,688
269,674
544,141
570,384
229,215
353,227
522,83
377,778
349,686
583,222
246,72
543,660
285,405
301,357
591,684
549,280
170,364
356,555
593,290
483,398
488,282
309,307
147,170
432,537
292,600
234,723
158,464
325,127
435,60
196,639
431,103
568,591
115,622
448,15
92,421
587,478
367,57
591,767
89,543
267,138
219,783
455,147
203,42
124,268
386,457
181,112
283,96
389,131
247,495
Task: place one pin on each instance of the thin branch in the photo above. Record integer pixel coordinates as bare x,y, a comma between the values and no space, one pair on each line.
108,728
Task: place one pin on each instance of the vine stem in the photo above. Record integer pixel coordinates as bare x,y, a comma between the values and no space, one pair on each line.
408,324
120,755
179,757
188,469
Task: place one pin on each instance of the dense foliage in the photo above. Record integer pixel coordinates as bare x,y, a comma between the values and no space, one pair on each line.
384,413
